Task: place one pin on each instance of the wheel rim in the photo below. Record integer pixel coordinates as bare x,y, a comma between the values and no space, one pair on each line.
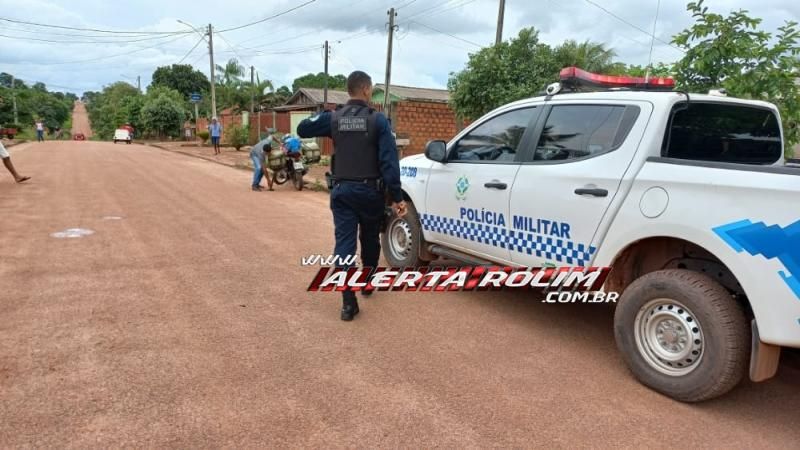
281,177
400,239
669,337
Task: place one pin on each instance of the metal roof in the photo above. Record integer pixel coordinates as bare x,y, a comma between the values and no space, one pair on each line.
415,93
317,96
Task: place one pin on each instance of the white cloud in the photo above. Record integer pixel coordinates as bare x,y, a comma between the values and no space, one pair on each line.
422,57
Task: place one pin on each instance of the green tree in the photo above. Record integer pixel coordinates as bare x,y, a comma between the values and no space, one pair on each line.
163,115
154,92
231,74
659,70
590,56
734,53
109,109
182,78
310,80
512,70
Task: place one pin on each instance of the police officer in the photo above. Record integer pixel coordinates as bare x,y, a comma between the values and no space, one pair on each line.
364,165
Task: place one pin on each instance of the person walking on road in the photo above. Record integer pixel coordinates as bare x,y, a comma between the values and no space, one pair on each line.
215,130
258,154
39,131
365,164
7,162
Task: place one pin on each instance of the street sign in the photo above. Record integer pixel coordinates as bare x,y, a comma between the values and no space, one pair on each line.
195,98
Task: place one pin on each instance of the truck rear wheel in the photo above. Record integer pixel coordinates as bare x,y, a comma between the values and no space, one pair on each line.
682,334
402,240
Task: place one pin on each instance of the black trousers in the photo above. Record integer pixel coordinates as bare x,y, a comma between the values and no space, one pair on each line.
357,214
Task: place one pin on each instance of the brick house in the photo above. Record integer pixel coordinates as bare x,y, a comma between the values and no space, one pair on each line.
419,115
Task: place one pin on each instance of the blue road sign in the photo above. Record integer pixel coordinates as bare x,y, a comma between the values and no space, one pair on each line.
195,98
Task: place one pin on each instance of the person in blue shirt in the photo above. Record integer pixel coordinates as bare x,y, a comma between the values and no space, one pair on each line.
292,144
215,131
364,164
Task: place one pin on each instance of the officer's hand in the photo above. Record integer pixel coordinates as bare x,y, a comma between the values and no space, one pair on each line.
400,208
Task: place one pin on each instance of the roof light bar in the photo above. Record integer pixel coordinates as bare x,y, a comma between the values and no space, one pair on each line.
575,78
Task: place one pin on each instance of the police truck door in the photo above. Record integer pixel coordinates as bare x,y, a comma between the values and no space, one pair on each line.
570,180
480,171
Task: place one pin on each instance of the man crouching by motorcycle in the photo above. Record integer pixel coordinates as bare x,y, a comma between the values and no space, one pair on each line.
258,154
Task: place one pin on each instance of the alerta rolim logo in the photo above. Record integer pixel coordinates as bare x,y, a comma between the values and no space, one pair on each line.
561,285
462,186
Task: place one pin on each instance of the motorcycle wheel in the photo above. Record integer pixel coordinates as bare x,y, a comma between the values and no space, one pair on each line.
281,177
298,181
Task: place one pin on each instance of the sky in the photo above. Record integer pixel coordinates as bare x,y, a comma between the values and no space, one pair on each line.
434,37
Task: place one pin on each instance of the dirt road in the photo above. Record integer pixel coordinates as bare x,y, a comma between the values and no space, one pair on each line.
183,322
80,120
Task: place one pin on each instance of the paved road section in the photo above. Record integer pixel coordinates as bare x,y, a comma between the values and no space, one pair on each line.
183,322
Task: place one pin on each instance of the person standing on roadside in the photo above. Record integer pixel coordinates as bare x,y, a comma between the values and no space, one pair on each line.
258,155
365,165
39,131
215,131
7,162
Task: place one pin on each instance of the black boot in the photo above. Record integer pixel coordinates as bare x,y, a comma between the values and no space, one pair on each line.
349,307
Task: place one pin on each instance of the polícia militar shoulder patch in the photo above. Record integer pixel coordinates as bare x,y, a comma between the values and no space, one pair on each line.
353,124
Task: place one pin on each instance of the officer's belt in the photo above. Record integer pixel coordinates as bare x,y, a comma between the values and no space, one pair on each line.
374,182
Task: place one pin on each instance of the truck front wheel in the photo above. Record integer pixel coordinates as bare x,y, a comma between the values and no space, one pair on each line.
402,240
682,334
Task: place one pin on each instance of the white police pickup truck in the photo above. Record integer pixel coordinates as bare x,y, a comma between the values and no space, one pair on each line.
685,197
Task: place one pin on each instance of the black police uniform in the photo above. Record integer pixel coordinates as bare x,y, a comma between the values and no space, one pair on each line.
364,164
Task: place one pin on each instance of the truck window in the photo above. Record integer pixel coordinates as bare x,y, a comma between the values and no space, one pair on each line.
580,131
723,133
495,140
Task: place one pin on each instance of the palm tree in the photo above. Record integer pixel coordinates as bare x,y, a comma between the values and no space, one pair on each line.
590,56
231,74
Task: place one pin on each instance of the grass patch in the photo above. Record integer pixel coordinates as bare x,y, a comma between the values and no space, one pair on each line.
317,186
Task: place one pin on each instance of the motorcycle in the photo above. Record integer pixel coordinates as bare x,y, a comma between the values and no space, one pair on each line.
294,169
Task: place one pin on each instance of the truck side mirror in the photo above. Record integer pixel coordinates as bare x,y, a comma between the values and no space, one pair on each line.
436,151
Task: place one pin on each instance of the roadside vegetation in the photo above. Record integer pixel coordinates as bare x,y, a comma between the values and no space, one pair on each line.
732,52
34,102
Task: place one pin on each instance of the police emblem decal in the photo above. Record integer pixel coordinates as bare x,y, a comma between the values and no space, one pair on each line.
462,185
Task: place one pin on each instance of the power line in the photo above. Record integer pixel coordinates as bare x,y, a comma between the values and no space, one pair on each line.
63,27
447,34
405,4
633,25
82,42
336,8
219,33
103,58
435,7
53,33
192,50
268,18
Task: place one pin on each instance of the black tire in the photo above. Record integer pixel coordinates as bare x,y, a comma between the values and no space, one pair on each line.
410,229
10,136
115,141
281,177
298,181
689,311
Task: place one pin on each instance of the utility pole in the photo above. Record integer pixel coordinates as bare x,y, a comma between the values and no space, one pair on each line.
139,83
213,78
500,14
252,89
14,100
386,102
325,92
196,116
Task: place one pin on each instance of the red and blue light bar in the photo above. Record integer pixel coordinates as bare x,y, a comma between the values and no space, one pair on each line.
575,77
